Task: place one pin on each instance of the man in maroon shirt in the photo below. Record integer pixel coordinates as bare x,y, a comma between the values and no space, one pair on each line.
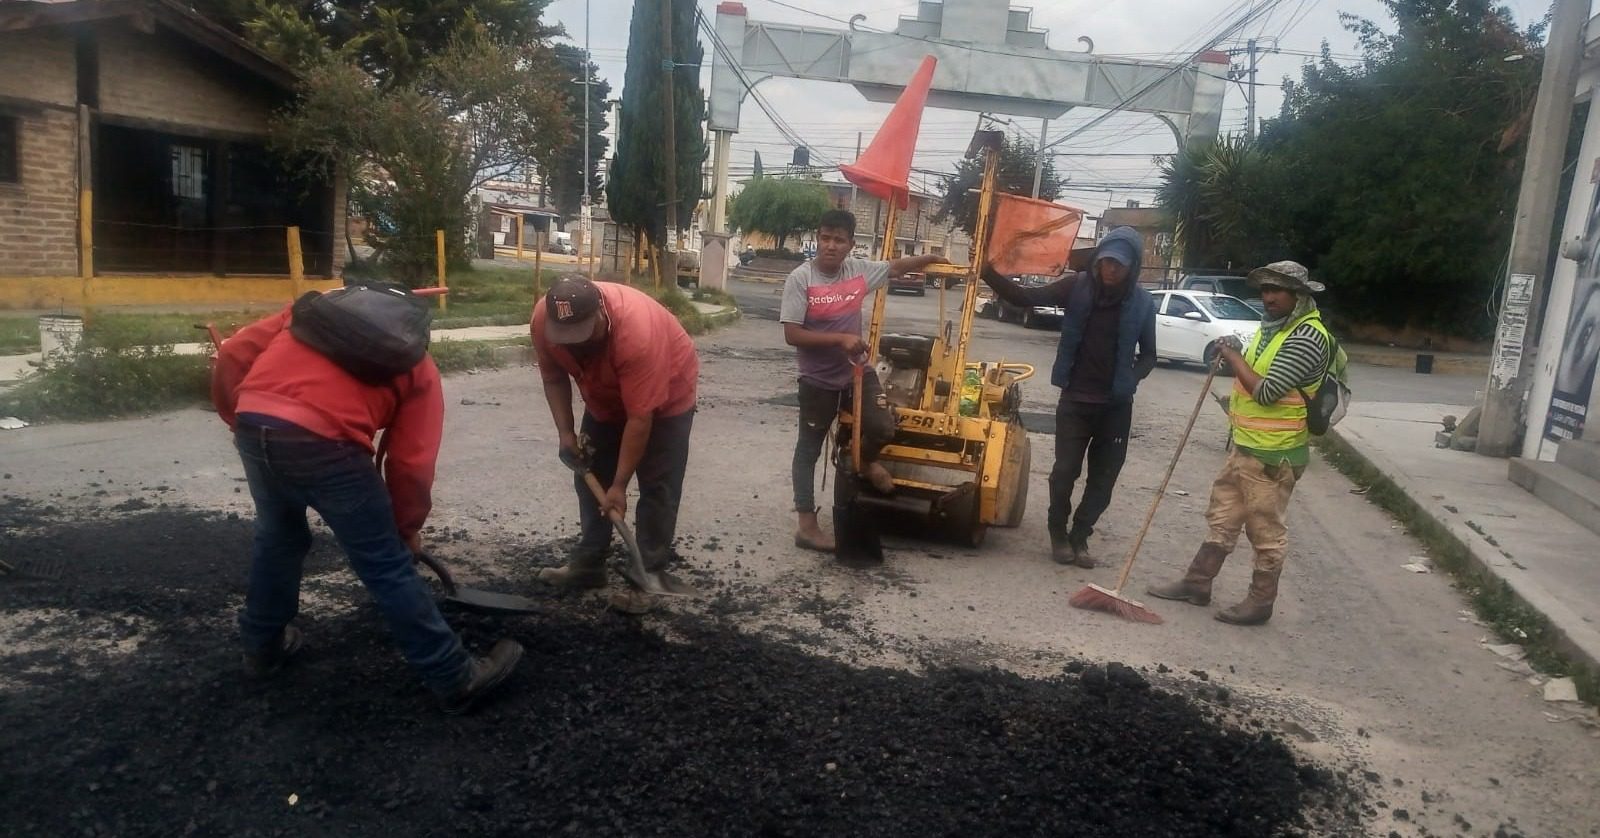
637,371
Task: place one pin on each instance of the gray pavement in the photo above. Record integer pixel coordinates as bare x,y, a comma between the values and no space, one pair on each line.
1364,663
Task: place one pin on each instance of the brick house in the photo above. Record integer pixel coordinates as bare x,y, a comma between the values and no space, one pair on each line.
160,118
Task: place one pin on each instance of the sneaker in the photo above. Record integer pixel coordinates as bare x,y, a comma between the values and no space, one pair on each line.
268,662
485,674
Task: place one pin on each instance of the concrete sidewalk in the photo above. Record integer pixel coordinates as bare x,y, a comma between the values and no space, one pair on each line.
1549,561
14,367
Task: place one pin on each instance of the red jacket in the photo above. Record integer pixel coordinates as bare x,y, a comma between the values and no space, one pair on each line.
264,369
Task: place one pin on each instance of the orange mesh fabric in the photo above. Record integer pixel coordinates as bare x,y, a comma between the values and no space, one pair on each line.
1031,236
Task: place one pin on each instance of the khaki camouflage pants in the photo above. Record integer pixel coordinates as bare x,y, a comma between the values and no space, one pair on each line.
1251,496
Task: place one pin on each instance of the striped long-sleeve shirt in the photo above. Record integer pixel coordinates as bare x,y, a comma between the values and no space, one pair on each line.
1300,362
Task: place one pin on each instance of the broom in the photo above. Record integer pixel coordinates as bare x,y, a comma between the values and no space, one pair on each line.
1096,598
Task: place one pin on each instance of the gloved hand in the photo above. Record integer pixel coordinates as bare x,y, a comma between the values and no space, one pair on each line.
574,453
1229,342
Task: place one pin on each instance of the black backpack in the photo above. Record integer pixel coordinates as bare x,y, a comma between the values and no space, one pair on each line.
375,332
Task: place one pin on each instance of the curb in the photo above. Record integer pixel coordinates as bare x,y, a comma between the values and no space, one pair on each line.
1471,365
1570,635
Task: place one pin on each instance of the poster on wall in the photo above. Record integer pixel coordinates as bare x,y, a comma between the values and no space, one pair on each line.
1580,341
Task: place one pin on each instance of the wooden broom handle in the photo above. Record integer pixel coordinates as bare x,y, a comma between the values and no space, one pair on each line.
857,375
1205,390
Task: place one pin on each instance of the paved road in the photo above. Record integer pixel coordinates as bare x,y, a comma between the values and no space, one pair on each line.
1364,665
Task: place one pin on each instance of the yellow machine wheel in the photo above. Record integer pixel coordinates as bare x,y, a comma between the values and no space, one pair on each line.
1020,474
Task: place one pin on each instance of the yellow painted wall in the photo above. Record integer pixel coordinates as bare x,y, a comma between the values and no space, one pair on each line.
50,292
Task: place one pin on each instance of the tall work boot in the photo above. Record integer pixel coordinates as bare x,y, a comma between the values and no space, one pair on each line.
1195,586
584,569
1257,606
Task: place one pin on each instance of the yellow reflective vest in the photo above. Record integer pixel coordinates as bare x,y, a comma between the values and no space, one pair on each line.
1280,426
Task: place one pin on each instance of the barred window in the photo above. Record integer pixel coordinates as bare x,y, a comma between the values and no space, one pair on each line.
10,149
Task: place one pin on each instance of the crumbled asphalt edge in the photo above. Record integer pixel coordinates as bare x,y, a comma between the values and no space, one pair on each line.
600,699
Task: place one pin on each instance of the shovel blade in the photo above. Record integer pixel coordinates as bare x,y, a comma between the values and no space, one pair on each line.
491,602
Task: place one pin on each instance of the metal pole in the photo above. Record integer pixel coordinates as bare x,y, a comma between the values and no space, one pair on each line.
1250,91
587,221
1511,365
669,267
1038,162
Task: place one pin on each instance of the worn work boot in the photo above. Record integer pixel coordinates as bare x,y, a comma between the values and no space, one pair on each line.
1079,544
879,477
1061,551
809,535
582,570
266,663
1257,606
1195,586
484,675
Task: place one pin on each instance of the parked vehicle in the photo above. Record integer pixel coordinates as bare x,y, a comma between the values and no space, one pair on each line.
1036,317
1229,284
1188,322
909,283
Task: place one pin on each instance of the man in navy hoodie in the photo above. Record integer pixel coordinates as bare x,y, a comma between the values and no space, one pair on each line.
1108,345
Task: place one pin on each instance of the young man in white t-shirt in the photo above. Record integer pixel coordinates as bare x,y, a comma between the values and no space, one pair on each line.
821,316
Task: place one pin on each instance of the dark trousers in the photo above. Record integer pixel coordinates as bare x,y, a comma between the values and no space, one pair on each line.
290,470
659,478
1099,431
819,407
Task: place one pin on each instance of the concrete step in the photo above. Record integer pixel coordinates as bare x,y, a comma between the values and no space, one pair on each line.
1582,456
1568,492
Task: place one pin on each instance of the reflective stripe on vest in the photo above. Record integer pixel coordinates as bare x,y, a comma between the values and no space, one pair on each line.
1280,426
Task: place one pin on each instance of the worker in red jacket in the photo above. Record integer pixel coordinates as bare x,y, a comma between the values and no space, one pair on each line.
305,428
637,370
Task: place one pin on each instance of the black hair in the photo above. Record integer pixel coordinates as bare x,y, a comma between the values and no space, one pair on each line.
838,219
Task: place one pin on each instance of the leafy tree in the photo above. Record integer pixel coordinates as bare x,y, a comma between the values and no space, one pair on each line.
566,169
414,151
1401,172
1015,176
779,206
1221,196
636,189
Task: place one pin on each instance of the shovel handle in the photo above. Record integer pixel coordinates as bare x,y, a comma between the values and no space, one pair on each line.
439,570
600,496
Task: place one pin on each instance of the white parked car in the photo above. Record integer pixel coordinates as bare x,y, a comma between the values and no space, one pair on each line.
1187,322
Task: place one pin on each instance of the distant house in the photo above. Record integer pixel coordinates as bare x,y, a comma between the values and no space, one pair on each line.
1154,228
152,121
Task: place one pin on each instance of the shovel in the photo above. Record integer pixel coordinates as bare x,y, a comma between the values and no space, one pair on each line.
473,599
650,581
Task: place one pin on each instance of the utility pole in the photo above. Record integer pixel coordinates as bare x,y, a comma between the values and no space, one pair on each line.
669,67
586,219
1511,365
1250,89
1038,160
853,183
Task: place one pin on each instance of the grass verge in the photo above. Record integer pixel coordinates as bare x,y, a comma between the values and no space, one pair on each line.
1495,603
112,373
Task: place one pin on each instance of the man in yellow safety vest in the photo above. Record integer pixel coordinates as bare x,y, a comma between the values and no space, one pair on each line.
1274,378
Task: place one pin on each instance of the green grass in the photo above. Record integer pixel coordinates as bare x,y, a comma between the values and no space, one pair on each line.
112,373
1491,598
452,356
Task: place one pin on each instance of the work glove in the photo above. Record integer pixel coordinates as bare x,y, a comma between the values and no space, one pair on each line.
1229,342
575,455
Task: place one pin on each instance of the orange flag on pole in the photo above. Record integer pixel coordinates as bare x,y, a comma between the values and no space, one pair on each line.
885,167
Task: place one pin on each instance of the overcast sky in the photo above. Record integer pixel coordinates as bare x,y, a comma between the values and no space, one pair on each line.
828,116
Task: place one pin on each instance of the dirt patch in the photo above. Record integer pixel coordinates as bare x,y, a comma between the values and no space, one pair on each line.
608,728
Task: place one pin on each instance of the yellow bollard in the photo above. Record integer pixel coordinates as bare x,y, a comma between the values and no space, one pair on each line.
297,263
438,243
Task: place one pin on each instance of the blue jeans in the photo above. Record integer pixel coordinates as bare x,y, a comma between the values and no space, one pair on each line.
290,470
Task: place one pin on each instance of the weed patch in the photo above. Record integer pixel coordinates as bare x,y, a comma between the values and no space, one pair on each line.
111,373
